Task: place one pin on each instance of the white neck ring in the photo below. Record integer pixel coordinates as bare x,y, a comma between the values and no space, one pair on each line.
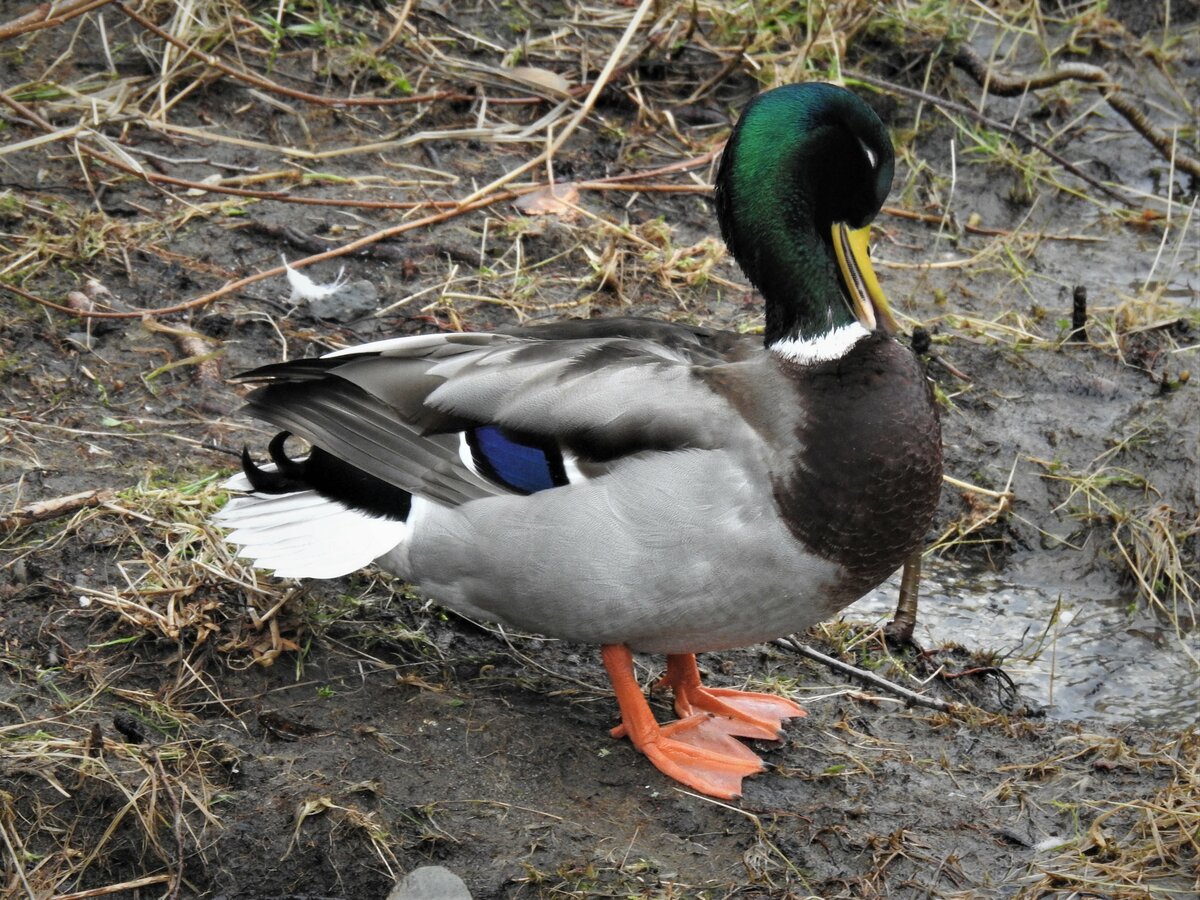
827,347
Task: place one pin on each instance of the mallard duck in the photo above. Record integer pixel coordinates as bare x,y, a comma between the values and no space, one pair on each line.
636,484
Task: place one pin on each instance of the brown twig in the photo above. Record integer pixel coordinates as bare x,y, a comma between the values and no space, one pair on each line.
53,508
1006,84
176,826
48,15
912,698
197,349
1164,143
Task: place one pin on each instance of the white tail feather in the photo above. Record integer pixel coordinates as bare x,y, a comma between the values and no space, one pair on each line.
305,535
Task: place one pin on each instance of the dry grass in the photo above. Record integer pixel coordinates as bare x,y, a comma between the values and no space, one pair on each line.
92,786
89,785
157,802
1139,848
1151,540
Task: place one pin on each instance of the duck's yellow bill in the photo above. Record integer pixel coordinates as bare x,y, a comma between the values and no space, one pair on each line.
854,261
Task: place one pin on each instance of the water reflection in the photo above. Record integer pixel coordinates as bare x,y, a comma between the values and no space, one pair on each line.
1094,660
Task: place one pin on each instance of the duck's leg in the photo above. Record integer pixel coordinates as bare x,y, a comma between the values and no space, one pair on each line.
687,750
900,629
740,713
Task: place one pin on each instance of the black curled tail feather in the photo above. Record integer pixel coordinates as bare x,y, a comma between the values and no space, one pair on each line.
288,476
332,478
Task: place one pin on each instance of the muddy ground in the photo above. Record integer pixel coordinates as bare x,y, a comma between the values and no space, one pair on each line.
174,724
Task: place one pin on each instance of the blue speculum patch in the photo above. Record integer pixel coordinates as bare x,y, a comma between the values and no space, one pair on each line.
521,464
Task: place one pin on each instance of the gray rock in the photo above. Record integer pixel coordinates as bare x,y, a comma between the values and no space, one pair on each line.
430,883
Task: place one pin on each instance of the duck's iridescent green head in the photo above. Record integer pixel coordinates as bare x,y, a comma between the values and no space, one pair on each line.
806,169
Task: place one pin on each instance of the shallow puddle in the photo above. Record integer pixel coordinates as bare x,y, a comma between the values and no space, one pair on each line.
1094,661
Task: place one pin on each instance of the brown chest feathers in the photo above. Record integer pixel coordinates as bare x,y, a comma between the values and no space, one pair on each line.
865,479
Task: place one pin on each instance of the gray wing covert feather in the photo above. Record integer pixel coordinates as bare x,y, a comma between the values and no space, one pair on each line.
600,399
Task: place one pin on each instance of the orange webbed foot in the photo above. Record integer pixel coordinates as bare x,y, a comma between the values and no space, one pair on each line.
702,757
699,750
742,713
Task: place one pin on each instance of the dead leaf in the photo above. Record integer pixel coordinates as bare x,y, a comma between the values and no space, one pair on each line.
542,79
552,200
214,178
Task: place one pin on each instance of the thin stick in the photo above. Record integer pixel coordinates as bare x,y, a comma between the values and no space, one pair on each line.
976,489
1004,84
52,509
48,15
1166,144
912,698
115,888
16,862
